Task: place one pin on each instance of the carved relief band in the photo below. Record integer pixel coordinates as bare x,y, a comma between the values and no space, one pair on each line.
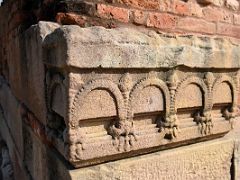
114,94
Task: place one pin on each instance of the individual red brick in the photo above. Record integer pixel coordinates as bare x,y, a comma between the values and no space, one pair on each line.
216,14
70,18
83,21
181,8
236,19
228,30
161,20
139,17
227,16
195,9
196,25
111,12
141,4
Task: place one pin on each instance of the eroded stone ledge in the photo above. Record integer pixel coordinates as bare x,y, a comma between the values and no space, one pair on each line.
97,47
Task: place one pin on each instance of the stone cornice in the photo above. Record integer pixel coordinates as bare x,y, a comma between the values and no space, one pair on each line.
97,47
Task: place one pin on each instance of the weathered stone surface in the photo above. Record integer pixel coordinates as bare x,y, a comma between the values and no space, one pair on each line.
237,159
211,160
97,47
133,111
26,68
236,156
157,86
32,69
232,4
206,160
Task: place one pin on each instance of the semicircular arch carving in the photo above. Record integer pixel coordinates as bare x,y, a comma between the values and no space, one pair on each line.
150,82
99,84
195,83
226,79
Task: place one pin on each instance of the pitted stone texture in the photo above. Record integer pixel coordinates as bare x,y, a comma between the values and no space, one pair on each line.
105,112
210,160
202,161
33,74
236,155
237,159
96,104
232,4
129,48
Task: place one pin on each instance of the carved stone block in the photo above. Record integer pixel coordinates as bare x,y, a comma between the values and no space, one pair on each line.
117,93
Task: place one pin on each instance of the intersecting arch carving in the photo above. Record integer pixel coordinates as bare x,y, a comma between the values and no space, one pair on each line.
148,82
99,84
193,80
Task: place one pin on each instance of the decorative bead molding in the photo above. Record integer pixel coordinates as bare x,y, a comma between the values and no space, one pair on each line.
125,90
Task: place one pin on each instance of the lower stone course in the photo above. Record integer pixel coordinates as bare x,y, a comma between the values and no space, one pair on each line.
207,160
217,159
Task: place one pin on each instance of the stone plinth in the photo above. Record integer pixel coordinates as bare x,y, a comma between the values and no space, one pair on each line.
118,93
214,159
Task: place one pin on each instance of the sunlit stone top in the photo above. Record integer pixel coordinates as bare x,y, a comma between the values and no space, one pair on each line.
129,48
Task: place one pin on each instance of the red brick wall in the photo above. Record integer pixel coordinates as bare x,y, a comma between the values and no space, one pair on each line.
212,17
15,17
